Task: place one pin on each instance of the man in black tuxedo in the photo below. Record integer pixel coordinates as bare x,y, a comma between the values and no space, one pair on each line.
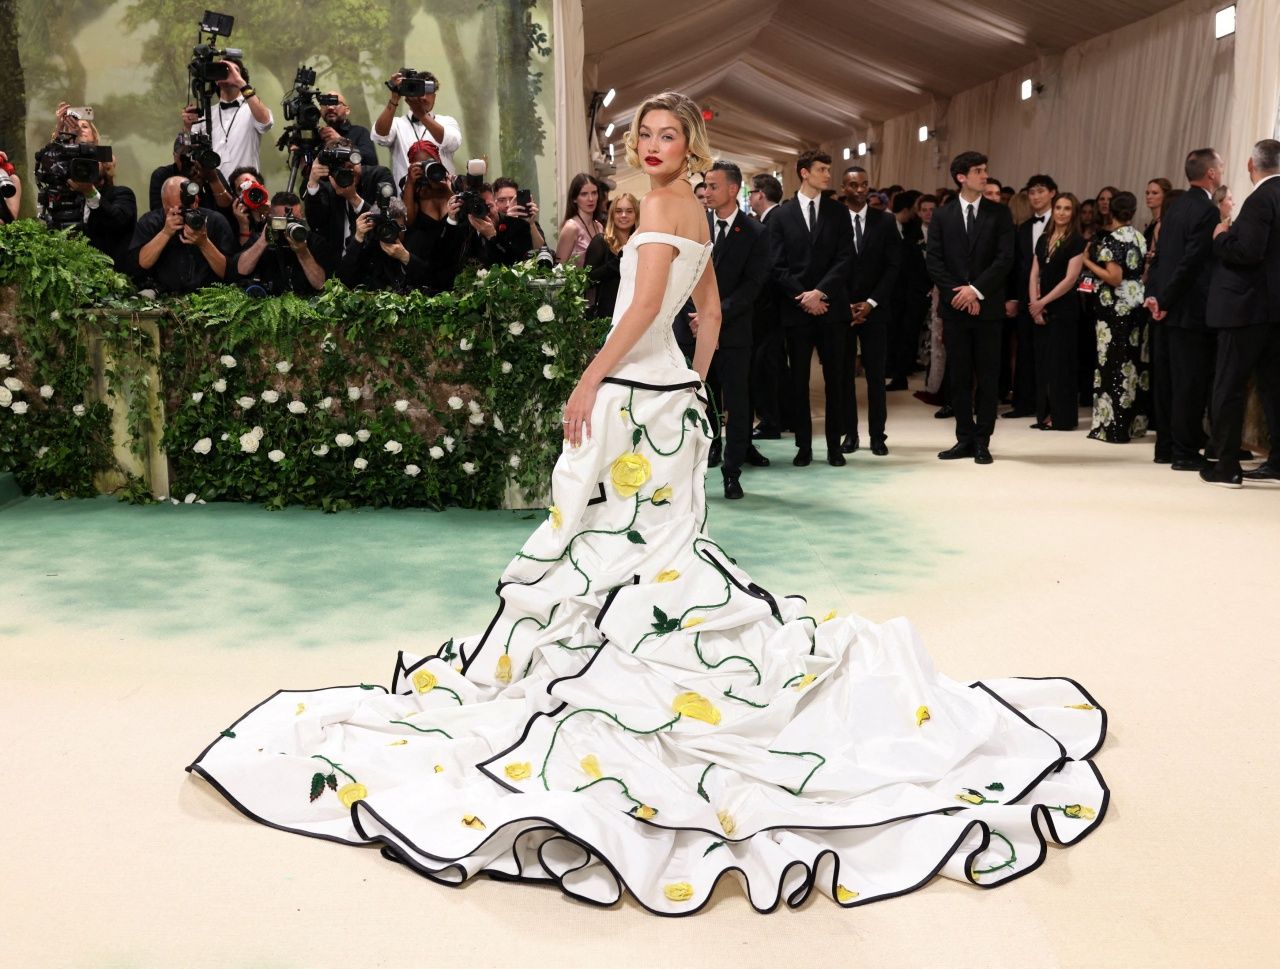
1040,192
873,274
810,241
770,376
740,252
334,200
1177,293
1244,310
969,253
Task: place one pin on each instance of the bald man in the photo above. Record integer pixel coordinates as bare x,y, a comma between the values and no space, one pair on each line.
177,256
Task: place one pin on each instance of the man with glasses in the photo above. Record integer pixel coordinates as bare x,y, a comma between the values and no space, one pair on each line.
338,125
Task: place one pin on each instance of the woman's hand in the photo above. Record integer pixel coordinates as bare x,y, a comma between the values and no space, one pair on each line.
577,412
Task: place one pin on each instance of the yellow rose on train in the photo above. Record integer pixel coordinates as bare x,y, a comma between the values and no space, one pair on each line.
678,891
696,707
591,767
629,473
644,812
348,794
557,517
663,495
519,771
424,681
503,673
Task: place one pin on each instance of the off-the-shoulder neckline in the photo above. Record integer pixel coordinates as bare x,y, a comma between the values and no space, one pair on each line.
668,235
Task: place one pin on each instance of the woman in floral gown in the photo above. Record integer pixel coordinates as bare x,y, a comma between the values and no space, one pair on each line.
1121,380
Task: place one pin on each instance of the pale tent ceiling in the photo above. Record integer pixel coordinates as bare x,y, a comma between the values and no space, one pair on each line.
783,76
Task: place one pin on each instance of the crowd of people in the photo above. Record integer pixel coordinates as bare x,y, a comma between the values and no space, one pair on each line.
1034,297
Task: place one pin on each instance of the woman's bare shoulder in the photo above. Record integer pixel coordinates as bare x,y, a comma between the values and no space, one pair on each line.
674,212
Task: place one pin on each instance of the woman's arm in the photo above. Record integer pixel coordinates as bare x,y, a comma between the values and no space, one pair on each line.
706,300
568,236
1068,284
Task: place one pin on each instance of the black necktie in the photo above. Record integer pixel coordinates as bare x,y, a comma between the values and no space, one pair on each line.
721,226
813,216
857,233
969,219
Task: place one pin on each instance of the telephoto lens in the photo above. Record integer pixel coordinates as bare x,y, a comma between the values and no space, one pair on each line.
344,178
7,189
194,219
253,194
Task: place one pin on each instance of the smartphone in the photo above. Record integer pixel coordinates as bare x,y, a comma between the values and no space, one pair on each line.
84,113
524,196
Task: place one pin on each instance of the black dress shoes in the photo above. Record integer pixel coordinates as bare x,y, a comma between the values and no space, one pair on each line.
982,454
1266,474
848,445
945,411
1163,458
835,458
715,455
1189,464
732,487
763,432
879,449
898,383
755,458
803,458
957,451
1018,413
1223,479
1039,426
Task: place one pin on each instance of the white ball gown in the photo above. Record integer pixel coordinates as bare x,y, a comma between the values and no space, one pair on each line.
639,716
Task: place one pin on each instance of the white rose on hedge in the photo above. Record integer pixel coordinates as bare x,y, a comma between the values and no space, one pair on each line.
190,499
455,402
249,443
327,344
353,393
344,440
225,436
257,431
362,435
477,418
545,313
473,407
6,397
78,410
548,349
326,403
549,372
246,402
412,470
497,424
481,273
197,397
514,460
41,453
516,328
270,396
402,405
436,452
284,366
13,383
203,446
320,451
46,391
5,361
360,464
219,385
393,447
227,360
464,344
19,406
297,407
448,444
506,366
468,467
275,456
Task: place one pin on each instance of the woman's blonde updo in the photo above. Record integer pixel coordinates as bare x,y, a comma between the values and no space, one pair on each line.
695,129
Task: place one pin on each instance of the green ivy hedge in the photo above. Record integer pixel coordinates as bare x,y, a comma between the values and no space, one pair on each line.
351,398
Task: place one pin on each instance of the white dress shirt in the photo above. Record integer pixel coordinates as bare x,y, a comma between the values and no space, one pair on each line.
236,136
965,206
406,129
854,219
727,219
804,206
1037,228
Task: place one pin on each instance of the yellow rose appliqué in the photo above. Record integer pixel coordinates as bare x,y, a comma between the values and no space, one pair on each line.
591,767
922,714
471,821
667,575
845,895
727,824
678,891
518,772
503,673
696,707
424,681
662,496
555,516
348,794
1079,811
629,473
644,812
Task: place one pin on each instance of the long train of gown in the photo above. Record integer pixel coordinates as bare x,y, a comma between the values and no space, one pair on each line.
640,715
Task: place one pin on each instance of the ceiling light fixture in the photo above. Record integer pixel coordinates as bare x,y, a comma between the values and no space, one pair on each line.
608,131
924,134
862,149
608,98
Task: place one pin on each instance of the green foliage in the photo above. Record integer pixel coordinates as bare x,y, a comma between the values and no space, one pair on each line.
371,398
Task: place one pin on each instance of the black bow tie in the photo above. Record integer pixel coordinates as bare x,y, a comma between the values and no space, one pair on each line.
1037,218
229,105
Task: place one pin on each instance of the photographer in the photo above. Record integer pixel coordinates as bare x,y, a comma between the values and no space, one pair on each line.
338,125
240,119
250,206
375,256
181,245
433,213
420,124
279,259
110,210
515,233
10,191
339,190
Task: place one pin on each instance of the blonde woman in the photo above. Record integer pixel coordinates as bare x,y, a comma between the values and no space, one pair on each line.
604,254
639,716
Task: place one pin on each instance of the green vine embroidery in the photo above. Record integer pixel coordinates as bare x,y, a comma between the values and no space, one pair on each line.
406,723
702,791
801,753
348,794
1008,863
542,774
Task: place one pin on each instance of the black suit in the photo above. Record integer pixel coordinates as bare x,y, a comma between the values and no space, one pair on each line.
982,260
1185,346
770,375
109,227
804,261
873,277
910,300
742,264
333,219
1024,364
1243,307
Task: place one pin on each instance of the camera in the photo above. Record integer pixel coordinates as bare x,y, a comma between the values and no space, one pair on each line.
385,228
283,229
328,100
413,84
335,158
545,258
7,189
300,103
59,163
194,219
189,192
197,149
205,69
253,195
467,187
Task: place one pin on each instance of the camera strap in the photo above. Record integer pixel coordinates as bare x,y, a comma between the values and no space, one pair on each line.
226,128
